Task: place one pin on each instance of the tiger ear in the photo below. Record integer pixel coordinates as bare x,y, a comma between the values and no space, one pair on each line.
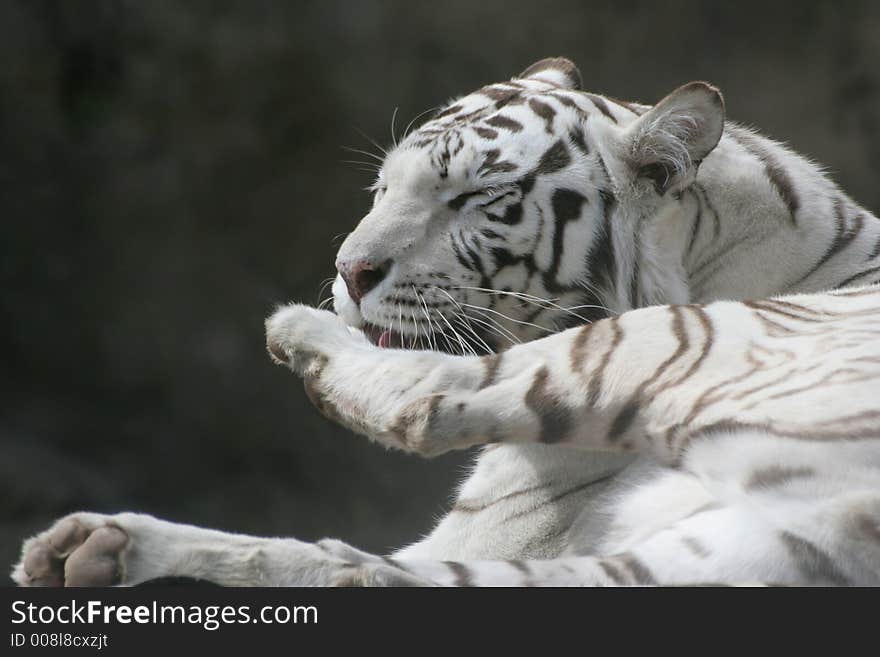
558,71
667,143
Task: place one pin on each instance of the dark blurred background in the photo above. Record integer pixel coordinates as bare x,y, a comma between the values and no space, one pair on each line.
170,170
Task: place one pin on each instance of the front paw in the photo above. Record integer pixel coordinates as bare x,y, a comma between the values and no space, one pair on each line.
82,549
303,337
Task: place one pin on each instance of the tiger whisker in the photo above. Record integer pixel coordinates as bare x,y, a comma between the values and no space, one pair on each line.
466,325
363,152
417,335
363,169
476,337
494,327
538,301
365,163
429,330
524,295
597,294
322,289
463,343
510,319
399,315
393,117
416,118
372,141
463,315
490,323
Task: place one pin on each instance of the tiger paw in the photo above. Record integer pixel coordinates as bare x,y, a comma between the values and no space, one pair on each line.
82,549
301,337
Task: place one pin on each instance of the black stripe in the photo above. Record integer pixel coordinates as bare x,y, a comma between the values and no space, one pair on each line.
545,111
623,421
875,252
843,237
602,106
613,573
459,201
778,176
596,377
504,122
567,205
860,275
475,258
814,564
459,256
554,159
577,138
639,570
462,573
698,220
601,259
555,418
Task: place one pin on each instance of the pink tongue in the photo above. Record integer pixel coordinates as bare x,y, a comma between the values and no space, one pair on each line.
385,339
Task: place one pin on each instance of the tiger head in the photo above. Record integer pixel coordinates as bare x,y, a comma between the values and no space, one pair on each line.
523,208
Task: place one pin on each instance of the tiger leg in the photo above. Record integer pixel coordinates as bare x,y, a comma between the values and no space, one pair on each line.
87,549
126,549
655,380
429,403
810,535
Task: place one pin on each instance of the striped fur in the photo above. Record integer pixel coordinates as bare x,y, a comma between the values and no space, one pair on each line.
562,266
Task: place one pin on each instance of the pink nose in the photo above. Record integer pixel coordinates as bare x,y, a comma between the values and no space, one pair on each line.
361,276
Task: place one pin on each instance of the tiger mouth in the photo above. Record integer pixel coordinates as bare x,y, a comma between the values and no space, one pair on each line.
387,338
384,337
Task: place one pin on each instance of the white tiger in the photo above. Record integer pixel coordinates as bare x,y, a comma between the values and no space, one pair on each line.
696,440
